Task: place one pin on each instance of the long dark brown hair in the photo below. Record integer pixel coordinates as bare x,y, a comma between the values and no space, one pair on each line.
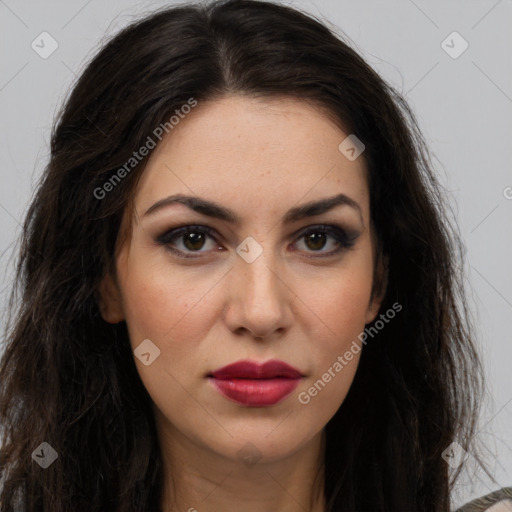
69,378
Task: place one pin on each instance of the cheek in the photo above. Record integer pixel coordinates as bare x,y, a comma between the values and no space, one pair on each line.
159,302
335,354
340,304
341,322
171,309
340,300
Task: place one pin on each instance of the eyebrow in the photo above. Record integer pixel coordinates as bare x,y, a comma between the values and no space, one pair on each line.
211,209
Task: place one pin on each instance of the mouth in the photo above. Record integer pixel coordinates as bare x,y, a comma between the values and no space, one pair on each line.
256,385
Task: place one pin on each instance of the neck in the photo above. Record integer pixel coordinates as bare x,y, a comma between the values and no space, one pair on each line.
200,480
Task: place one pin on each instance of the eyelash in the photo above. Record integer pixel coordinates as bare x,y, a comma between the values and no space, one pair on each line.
339,235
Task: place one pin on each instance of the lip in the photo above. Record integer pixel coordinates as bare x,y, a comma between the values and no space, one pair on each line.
256,385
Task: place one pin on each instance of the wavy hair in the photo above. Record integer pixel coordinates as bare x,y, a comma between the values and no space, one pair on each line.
69,378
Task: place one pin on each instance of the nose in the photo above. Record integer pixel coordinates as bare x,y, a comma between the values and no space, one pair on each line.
258,298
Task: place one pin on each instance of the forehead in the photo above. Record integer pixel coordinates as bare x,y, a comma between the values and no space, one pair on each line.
248,151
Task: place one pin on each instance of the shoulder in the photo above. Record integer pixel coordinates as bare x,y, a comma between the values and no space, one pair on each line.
497,501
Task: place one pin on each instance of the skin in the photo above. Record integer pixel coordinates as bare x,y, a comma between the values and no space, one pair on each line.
259,158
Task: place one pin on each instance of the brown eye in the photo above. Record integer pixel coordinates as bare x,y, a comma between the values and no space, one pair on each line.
188,239
317,237
193,240
316,241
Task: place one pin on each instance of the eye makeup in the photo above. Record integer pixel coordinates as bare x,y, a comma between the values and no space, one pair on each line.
343,239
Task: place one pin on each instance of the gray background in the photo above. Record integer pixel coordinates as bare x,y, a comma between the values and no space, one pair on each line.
464,106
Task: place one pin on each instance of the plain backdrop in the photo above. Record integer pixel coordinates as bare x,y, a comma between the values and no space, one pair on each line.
462,99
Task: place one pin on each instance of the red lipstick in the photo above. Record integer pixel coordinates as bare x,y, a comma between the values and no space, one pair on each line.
256,385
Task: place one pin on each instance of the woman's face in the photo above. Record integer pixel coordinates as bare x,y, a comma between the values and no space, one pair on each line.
268,284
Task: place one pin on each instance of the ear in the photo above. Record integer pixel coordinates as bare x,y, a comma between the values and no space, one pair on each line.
380,284
109,300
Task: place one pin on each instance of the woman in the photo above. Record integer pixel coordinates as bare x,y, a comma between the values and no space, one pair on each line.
143,372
